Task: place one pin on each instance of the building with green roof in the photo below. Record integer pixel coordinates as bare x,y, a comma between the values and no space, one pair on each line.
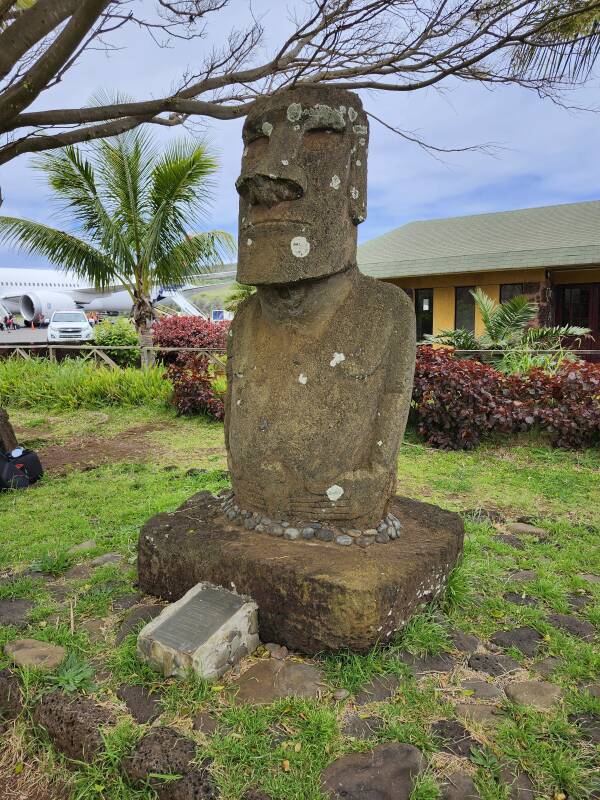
551,254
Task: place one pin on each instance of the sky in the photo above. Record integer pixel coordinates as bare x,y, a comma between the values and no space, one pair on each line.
545,154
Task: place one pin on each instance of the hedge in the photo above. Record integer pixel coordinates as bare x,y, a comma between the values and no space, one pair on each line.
457,401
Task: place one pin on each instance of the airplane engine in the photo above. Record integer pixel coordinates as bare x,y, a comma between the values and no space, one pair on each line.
40,306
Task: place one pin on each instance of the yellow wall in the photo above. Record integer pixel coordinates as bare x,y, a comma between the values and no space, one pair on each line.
443,309
443,288
472,279
576,276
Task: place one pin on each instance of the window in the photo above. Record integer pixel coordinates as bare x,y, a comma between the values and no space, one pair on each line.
575,306
69,316
464,308
424,312
510,290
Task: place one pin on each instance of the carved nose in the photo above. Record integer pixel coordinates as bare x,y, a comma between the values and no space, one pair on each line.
267,190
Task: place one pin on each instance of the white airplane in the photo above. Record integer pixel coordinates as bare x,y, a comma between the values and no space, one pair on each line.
36,293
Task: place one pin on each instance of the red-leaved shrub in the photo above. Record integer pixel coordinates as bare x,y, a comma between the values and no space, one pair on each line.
457,402
192,387
189,373
188,332
566,404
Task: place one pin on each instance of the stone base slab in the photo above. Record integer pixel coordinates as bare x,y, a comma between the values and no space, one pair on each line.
312,596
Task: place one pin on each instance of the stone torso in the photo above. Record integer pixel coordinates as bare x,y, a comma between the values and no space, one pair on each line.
303,409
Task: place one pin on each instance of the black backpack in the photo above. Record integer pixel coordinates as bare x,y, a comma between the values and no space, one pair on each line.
11,477
19,471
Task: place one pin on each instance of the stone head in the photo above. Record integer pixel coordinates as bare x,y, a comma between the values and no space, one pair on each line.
302,186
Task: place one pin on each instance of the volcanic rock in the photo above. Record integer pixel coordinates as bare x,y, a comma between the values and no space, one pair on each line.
388,772
540,695
272,680
525,639
73,724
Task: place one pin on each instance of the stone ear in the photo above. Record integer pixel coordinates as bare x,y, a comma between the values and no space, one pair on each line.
358,185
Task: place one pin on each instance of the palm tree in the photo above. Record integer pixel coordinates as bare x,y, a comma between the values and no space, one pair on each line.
508,332
239,292
130,210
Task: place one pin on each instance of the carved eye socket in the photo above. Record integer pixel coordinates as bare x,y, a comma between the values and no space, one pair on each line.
256,144
320,138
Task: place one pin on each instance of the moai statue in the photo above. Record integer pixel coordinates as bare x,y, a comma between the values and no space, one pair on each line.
321,358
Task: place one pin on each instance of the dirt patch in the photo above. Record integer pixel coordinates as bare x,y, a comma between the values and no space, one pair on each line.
133,444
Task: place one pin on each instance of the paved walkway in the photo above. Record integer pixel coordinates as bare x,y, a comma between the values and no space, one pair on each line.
24,336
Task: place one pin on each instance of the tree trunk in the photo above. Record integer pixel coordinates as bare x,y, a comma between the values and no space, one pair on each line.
143,318
8,440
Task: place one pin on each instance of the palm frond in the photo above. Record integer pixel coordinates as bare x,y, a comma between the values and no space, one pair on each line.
125,164
73,179
550,337
178,196
191,257
486,306
458,338
59,248
180,192
508,320
566,48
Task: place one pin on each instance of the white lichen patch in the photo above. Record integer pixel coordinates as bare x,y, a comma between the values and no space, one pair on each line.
334,492
285,162
239,403
294,112
352,115
354,193
337,359
300,246
245,153
335,182
303,379
362,129
267,128
362,141
379,443
248,242
327,116
358,162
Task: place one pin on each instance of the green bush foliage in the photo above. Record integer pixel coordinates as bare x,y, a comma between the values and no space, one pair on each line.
75,383
121,333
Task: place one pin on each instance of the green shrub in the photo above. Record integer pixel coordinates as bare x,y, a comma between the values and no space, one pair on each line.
119,332
75,383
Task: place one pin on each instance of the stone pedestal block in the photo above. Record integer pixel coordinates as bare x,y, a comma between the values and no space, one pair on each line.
312,596
208,630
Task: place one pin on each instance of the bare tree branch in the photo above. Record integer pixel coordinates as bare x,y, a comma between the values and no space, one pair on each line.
28,29
382,45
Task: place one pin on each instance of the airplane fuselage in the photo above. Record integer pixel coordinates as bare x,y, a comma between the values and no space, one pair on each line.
37,293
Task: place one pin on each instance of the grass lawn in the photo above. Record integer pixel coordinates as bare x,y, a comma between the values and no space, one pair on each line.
283,748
